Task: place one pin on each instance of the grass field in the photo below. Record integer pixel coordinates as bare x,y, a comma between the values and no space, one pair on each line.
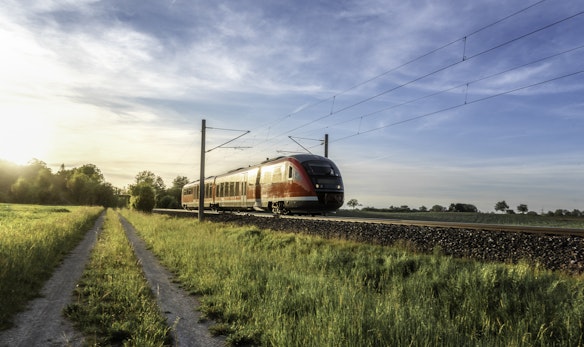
466,217
277,289
115,305
33,240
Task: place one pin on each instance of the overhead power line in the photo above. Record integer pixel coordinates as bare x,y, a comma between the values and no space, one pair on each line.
460,105
465,84
434,72
409,62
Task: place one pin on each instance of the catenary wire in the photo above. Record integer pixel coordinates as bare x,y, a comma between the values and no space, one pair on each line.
459,105
449,66
318,102
468,83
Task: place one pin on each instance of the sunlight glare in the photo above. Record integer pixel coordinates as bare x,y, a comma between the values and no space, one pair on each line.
23,138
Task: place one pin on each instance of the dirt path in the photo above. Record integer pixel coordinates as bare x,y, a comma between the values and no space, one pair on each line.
178,306
43,323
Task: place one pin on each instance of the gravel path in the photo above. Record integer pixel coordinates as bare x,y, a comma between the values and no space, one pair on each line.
179,307
43,323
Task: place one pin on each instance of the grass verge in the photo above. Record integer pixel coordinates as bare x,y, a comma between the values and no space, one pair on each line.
33,240
275,289
115,304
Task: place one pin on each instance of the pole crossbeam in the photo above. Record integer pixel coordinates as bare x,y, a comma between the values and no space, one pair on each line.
203,151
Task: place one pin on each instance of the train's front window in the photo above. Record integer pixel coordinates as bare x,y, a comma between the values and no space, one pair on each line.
320,169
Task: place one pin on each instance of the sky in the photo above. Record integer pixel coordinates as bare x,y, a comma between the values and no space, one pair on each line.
424,102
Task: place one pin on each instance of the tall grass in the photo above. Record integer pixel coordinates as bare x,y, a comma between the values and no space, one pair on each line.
33,240
279,289
115,304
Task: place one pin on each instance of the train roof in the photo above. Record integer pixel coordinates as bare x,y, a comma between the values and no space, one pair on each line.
300,157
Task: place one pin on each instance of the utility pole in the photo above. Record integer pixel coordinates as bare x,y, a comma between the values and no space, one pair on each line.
326,145
202,175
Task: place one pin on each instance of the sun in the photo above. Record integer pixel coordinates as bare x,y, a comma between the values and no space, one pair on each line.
23,138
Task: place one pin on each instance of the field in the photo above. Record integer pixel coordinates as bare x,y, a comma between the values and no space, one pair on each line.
486,218
278,289
33,240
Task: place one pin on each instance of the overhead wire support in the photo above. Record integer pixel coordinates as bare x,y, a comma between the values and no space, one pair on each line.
245,132
324,142
299,144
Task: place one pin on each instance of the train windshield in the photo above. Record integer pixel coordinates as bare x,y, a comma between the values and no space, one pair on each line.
320,168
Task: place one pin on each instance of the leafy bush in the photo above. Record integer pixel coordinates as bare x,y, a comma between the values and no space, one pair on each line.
143,197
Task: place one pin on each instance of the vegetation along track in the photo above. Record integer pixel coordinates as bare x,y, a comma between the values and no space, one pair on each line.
542,246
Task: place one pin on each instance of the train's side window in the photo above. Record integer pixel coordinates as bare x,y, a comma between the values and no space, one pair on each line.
290,172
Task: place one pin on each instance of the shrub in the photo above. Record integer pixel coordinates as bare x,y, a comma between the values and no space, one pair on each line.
143,197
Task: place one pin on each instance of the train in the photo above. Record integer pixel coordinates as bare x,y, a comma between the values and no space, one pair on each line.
294,184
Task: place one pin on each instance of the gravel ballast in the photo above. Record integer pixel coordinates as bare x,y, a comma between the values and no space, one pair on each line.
553,252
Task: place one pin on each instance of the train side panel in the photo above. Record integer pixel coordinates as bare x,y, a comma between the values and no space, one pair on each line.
191,193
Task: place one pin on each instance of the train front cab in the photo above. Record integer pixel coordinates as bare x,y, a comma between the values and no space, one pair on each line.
327,183
301,184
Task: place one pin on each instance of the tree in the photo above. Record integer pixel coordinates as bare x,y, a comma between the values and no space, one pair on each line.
22,191
522,208
176,190
149,178
459,207
353,203
143,197
438,208
501,206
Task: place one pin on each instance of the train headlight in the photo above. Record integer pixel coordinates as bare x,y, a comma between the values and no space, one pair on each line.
317,185
339,186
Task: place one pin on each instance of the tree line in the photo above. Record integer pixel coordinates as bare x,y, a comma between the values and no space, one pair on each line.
35,183
500,206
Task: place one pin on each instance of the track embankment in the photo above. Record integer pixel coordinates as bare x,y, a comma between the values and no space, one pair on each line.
554,252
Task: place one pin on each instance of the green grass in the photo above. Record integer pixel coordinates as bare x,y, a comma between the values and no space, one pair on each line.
33,240
466,217
276,289
115,304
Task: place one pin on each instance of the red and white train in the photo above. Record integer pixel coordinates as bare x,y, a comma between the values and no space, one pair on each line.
302,183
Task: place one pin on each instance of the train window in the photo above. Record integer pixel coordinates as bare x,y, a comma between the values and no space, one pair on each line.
237,185
320,169
290,172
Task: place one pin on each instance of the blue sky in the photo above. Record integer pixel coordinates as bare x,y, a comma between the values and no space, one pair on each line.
425,102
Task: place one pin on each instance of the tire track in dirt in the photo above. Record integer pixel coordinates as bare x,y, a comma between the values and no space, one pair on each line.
179,307
42,323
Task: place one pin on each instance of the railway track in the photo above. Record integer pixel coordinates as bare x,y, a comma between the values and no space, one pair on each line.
405,222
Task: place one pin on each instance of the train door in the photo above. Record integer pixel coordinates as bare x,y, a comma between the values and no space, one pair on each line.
243,190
